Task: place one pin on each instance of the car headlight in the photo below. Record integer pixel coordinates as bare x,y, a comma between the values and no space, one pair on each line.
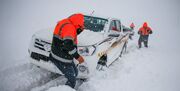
86,50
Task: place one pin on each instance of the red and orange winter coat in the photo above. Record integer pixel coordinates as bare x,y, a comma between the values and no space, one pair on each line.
65,30
145,30
64,43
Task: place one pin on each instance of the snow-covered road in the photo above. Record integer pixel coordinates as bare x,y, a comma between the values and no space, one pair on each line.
24,77
146,69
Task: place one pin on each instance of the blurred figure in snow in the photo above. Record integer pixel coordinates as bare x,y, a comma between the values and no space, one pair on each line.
144,32
132,26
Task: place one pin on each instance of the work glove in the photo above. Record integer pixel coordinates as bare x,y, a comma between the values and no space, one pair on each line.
150,32
80,59
139,32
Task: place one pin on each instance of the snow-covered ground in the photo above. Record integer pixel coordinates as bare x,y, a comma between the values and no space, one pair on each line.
139,70
146,69
149,69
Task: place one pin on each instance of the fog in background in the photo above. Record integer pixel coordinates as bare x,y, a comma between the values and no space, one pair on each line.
20,19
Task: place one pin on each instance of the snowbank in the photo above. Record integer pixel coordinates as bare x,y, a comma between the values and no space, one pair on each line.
147,69
61,88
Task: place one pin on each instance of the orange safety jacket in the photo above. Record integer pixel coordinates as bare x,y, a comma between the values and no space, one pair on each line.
64,43
66,30
145,31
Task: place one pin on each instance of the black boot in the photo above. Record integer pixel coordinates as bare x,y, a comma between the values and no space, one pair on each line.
146,43
139,43
146,46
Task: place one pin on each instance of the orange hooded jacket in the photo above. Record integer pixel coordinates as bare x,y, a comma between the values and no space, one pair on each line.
64,42
145,30
67,28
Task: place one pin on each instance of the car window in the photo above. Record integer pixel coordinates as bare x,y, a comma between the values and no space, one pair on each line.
95,24
112,25
118,23
115,25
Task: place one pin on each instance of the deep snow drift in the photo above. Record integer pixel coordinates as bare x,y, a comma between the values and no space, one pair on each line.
146,69
139,70
62,88
152,69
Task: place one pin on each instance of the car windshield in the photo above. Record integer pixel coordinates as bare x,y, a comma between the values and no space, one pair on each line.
95,24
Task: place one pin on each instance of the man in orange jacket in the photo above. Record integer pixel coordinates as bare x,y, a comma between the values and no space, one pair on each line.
64,46
144,32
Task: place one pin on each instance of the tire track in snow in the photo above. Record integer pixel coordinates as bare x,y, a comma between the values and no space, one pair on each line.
55,82
24,77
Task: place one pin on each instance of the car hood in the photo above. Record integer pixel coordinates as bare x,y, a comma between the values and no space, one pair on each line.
45,34
87,37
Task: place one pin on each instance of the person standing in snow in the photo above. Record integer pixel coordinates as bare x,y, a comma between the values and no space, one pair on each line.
64,47
132,26
144,32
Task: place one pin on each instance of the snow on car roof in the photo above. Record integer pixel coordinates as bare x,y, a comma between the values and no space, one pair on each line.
98,16
105,16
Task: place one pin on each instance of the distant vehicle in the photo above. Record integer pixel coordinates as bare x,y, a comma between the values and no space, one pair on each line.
101,37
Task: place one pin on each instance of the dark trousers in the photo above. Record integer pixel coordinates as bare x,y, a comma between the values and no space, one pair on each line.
68,69
144,39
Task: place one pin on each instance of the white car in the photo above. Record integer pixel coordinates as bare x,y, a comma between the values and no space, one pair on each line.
101,43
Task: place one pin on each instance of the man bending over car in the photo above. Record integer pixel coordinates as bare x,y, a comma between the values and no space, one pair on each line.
64,46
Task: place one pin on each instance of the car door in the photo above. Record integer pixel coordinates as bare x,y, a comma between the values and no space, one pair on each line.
114,32
118,25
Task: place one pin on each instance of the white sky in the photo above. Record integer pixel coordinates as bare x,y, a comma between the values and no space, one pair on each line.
19,19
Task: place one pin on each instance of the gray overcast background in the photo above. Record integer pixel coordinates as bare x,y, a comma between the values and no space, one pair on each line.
19,19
